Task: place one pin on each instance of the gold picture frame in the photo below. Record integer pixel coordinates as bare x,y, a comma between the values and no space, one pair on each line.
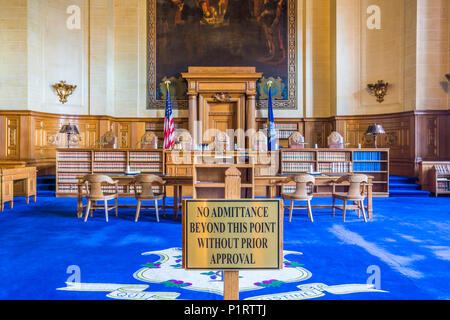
288,101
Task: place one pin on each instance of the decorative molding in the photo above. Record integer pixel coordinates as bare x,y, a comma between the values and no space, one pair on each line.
12,137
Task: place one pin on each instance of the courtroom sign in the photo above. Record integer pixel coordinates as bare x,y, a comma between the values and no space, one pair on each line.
232,234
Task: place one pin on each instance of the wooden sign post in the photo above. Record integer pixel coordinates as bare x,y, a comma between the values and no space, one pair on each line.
232,234
232,191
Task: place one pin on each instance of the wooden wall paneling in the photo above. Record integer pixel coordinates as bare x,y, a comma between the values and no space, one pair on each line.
124,135
137,131
444,137
301,127
433,136
89,134
317,131
25,136
47,137
427,137
398,137
2,137
12,137
104,125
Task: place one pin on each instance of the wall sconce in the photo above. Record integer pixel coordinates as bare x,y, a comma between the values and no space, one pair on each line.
375,130
69,130
63,90
448,76
379,90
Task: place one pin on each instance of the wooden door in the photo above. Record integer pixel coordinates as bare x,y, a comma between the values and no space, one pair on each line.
222,116
225,116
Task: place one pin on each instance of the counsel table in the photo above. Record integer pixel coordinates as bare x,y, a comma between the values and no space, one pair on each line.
270,182
324,187
177,182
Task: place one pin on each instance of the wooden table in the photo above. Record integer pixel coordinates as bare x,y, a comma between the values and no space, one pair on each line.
272,183
177,182
8,176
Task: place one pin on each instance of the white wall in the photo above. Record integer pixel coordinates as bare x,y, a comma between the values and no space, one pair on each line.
337,57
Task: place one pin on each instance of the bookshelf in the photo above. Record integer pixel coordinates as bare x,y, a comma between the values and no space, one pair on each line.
372,162
441,179
74,163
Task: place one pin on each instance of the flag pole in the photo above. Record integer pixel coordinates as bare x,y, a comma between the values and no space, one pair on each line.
167,83
270,120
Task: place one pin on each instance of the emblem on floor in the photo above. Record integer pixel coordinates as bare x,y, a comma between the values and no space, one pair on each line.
165,269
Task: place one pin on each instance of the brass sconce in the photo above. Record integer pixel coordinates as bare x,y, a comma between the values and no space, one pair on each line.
379,90
448,76
63,90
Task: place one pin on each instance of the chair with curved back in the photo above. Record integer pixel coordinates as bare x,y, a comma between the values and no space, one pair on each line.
259,141
335,140
183,140
222,142
94,188
146,182
304,185
109,140
149,141
355,193
296,141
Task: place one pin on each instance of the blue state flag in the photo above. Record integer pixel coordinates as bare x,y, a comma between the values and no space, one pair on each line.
271,131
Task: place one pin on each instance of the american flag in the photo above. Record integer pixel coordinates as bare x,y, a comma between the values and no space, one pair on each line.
169,138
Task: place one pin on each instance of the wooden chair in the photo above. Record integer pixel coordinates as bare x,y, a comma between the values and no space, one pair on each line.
94,192
335,140
222,142
109,140
304,185
356,193
259,141
147,182
149,141
296,141
183,140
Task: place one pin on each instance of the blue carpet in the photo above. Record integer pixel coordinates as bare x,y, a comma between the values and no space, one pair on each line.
404,250
405,187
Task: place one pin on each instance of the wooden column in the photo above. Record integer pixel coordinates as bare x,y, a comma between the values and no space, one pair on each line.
250,118
193,117
232,191
251,110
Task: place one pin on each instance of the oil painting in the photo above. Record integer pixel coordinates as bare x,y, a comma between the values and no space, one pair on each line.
259,33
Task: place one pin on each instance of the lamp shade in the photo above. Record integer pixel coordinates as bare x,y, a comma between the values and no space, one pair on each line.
69,129
375,129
